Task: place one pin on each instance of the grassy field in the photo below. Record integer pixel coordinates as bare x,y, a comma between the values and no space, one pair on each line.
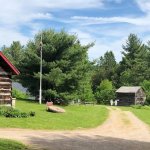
11,145
76,117
143,113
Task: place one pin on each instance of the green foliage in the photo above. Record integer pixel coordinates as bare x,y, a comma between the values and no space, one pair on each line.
106,85
146,107
126,77
65,66
146,86
105,68
6,144
134,67
85,93
14,53
105,92
67,72
137,106
32,113
10,112
18,94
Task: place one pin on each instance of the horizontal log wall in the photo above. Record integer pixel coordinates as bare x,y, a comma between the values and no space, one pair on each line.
5,89
126,99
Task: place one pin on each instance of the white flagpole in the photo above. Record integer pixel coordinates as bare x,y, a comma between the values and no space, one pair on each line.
40,92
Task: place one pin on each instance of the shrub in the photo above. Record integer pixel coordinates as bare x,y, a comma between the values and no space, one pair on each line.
10,112
136,106
32,113
4,109
105,92
146,86
146,107
15,114
18,94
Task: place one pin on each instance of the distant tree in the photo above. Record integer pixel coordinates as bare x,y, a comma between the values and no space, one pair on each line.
86,94
131,49
105,92
134,65
146,86
14,53
105,68
65,66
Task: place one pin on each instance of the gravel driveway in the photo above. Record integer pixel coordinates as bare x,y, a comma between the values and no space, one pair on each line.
121,131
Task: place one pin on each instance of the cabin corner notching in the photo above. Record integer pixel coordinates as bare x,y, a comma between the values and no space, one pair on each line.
7,69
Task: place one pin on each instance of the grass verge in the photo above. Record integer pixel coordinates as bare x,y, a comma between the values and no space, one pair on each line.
143,113
12,145
76,117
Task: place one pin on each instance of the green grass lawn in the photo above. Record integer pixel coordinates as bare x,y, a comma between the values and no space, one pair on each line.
76,117
12,145
143,113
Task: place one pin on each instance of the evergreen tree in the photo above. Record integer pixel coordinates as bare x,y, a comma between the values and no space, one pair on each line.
134,65
65,66
14,53
105,69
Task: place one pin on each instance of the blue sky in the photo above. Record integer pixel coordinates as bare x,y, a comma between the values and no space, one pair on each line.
107,22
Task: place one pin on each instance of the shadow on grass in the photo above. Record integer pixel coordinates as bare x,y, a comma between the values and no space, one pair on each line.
59,142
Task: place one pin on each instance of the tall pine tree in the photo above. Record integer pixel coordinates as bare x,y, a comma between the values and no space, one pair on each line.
65,66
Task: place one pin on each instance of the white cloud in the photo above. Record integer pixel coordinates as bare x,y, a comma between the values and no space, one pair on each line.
9,35
85,20
116,1
144,5
15,14
102,44
68,4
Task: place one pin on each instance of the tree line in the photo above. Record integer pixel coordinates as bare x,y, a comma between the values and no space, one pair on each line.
69,75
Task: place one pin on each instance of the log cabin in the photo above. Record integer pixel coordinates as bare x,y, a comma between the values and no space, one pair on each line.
130,95
7,70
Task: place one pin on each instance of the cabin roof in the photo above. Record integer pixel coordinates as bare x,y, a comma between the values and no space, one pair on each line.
128,89
11,67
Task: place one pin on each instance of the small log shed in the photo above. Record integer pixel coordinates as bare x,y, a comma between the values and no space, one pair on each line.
130,95
7,69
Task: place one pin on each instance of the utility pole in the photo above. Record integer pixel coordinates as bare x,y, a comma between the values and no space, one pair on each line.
40,91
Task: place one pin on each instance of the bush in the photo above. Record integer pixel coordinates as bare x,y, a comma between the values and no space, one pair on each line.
104,96
32,113
136,106
105,92
146,86
15,114
146,107
18,94
10,112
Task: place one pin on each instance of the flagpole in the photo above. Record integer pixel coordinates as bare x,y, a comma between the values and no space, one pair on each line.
40,92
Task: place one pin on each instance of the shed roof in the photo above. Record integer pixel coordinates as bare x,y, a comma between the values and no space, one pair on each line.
9,65
128,89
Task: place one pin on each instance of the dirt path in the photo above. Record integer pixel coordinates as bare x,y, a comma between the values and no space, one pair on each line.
121,131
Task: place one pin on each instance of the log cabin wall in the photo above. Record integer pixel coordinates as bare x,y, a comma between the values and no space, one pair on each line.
5,89
126,99
140,97
7,69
